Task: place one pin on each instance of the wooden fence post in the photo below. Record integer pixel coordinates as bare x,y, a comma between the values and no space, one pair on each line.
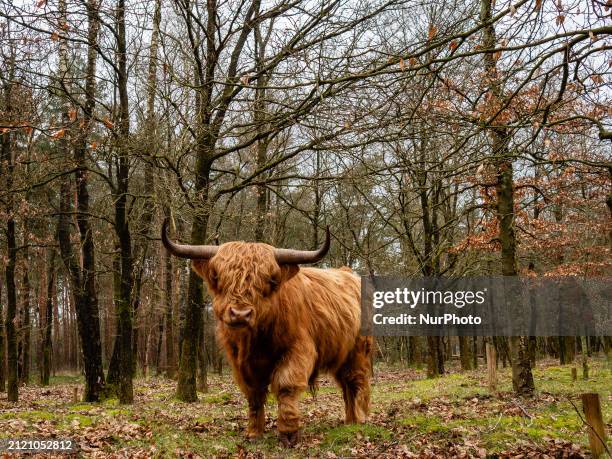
597,431
491,366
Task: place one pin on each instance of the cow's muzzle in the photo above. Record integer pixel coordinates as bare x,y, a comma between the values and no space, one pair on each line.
242,317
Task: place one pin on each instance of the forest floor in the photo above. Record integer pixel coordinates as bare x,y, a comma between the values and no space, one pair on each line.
451,416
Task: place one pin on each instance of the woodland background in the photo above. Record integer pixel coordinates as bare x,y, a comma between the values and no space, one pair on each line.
434,138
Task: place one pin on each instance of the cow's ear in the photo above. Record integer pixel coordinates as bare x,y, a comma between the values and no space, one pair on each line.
288,271
206,272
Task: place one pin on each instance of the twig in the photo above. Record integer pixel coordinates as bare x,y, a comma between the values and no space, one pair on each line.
591,427
524,410
491,429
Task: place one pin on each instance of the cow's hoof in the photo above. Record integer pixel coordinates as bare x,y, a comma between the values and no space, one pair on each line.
289,439
253,436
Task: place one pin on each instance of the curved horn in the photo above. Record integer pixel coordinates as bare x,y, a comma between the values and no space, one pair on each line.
186,251
290,256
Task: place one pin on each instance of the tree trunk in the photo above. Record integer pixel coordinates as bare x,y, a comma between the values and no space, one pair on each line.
522,378
123,302
11,333
149,150
47,346
81,268
168,290
26,341
186,388
416,353
2,348
202,361
465,352
435,357
259,117
567,349
158,347
7,160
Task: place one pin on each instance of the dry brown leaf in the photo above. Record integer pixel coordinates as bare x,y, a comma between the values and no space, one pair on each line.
58,134
433,30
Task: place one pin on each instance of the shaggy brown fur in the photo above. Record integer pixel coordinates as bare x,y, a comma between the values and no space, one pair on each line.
300,321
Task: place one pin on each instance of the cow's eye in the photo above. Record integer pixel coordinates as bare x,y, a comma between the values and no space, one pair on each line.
273,284
212,276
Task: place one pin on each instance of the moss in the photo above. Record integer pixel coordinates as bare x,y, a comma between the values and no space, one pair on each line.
203,420
66,379
82,407
112,401
340,438
217,398
83,421
426,423
163,395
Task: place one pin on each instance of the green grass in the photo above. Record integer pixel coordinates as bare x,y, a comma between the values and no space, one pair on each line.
77,420
65,379
407,410
426,424
340,439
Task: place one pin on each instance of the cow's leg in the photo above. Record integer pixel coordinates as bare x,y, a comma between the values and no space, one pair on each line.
255,394
289,380
257,414
354,379
288,422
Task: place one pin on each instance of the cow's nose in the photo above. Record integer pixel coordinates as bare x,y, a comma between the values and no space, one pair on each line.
242,315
